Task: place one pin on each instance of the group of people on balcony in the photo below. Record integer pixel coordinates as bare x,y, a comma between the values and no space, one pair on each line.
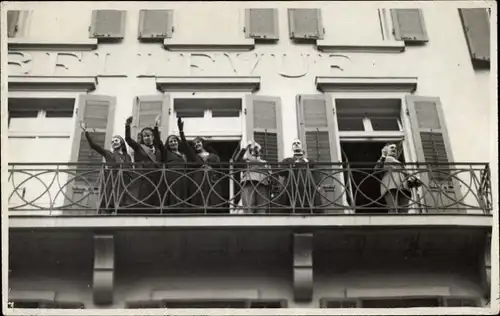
179,176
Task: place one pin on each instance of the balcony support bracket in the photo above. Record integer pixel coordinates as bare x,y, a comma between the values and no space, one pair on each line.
303,267
104,266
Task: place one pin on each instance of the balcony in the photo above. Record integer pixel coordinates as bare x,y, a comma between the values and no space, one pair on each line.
58,189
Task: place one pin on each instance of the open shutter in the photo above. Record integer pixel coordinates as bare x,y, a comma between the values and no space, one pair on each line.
263,120
108,24
409,25
155,24
476,24
305,24
262,23
147,108
318,130
12,23
97,111
441,191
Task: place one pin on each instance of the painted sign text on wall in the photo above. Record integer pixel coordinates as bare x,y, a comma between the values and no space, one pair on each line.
290,65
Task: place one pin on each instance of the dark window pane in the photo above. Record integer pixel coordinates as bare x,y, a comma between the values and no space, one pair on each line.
205,304
350,124
266,304
456,302
66,113
19,114
400,303
385,124
190,113
226,113
341,304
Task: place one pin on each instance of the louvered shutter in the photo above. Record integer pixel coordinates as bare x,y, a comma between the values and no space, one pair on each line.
97,111
440,190
262,23
476,24
147,108
12,23
409,25
305,24
318,130
108,24
155,24
263,120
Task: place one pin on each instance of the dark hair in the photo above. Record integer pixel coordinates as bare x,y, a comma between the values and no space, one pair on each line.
206,145
168,138
139,138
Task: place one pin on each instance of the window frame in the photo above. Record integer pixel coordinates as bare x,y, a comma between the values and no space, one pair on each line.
42,115
405,135
172,129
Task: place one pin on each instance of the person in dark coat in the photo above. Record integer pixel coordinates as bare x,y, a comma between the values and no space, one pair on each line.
114,192
204,190
176,182
300,181
148,160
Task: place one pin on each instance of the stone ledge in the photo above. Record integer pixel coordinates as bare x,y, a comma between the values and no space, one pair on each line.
376,47
408,84
52,83
30,44
243,45
256,221
235,83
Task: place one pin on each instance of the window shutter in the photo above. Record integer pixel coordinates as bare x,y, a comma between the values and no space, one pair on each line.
409,25
264,125
12,23
305,24
108,24
440,190
147,108
318,130
476,24
262,23
155,24
97,111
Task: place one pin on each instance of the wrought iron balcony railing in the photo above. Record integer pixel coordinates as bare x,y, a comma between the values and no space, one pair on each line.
332,188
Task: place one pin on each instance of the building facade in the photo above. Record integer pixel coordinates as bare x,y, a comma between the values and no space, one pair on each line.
343,77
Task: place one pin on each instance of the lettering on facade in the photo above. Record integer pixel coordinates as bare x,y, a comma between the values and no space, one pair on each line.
288,65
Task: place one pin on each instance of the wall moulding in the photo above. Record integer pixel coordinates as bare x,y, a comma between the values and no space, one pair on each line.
241,46
43,45
377,47
52,83
373,84
234,83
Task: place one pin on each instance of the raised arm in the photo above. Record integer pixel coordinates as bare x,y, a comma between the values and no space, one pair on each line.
95,146
189,150
132,143
157,139
92,144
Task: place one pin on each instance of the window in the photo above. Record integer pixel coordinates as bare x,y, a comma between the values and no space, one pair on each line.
209,116
155,24
409,25
208,304
400,303
107,24
305,24
476,26
262,24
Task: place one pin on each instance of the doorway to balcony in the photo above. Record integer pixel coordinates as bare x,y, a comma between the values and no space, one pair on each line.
226,149
363,188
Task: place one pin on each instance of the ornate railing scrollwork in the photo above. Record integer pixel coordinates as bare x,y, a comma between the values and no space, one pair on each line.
323,188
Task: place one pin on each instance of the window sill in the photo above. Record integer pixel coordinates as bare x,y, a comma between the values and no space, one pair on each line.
389,84
236,83
52,83
243,45
378,47
30,44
